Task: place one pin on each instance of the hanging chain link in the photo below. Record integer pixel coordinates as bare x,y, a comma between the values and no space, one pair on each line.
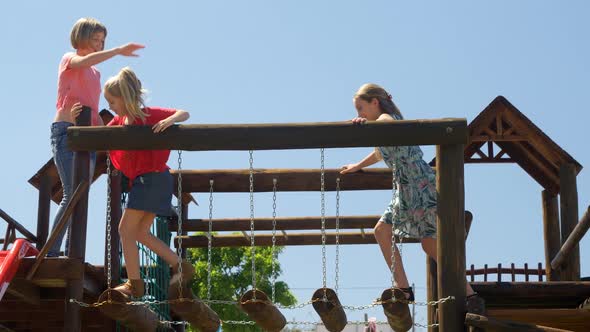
393,246
187,300
179,231
109,211
323,218
293,322
209,239
274,238
337,235
252,247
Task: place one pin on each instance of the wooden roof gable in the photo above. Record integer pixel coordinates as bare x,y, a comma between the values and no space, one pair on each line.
502,134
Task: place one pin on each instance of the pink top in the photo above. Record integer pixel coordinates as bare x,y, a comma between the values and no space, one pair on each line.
77,85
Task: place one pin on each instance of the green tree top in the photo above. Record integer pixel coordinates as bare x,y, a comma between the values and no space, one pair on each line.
231,276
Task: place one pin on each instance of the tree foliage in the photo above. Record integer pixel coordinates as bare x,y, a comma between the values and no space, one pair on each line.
231,276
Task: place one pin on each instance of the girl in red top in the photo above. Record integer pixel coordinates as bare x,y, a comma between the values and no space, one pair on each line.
151,182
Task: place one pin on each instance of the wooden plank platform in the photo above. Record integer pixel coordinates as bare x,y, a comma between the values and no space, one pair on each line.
556,294
39,304
567,319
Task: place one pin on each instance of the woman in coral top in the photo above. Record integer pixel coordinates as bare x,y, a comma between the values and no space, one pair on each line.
78,83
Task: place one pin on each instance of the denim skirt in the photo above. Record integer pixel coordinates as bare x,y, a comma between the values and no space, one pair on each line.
152,192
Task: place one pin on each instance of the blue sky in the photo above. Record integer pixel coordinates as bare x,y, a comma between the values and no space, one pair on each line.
301,61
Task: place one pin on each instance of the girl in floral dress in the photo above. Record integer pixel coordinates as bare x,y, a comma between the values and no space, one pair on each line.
412,211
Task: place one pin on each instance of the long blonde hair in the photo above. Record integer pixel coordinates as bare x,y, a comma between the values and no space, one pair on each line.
127,86
83,30
370,90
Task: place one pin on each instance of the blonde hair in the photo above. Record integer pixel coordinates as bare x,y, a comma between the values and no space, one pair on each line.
369,91
83,30
127,86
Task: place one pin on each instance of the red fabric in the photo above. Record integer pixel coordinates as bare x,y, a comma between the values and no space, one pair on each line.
136,162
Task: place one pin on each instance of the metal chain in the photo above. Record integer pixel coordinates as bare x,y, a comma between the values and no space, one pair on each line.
393,246
209,239
293,322
323,219
109,211
179,231
274,238
337,235
187,300
252,247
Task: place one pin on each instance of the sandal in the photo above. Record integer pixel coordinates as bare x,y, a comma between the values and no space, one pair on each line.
409,292
475,304
132,288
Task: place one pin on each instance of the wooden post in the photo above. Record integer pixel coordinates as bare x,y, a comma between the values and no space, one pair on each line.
569,218
451,236
551,232
43,210
431,292
77,248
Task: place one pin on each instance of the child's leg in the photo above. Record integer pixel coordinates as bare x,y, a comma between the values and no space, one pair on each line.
429,246
383,234
128,231
156,245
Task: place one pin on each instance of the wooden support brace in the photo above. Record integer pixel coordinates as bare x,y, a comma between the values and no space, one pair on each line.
60,225
572,240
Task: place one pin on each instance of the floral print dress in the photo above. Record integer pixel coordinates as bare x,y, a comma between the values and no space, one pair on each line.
412,210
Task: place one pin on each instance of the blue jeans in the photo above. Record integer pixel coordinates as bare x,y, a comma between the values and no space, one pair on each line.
63,158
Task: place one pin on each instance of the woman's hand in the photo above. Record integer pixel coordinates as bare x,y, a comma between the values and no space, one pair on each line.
76,110
162,125
129,49
350,168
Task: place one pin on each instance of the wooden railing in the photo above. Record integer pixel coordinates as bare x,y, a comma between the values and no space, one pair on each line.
14,226
512,271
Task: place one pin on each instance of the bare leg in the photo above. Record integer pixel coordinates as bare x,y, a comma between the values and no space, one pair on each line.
383,234
128,230
429,246
156,245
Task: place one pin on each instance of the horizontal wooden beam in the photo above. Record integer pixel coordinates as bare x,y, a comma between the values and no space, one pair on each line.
265,240
497,138
238,180
266,224
495,325
572,240
282,224
272,136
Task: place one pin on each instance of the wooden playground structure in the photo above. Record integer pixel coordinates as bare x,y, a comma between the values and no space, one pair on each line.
45,294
